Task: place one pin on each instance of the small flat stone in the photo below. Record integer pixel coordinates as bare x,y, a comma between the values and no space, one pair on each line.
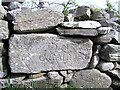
103,30
82,24
82,32
105,66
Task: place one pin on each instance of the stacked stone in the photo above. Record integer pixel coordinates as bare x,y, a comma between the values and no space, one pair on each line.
81,52
4,32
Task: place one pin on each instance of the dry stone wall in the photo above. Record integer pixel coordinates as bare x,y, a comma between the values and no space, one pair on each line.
44,47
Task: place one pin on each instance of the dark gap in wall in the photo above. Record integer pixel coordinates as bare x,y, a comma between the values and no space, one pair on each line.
6,62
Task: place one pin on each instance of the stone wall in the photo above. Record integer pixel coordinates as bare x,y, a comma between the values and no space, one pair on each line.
43,49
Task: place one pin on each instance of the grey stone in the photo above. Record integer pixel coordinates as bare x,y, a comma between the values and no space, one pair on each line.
82,12
32,53
100,15
109,23
117,66
96,49
82,32
3,12
3,67
14,5
105,66
26,20
104,30
4,31
94,61
42,82
69,17
67,75
34,5
36,75
82,24
1,49
103,39
55,75
90,79
110,52
115,73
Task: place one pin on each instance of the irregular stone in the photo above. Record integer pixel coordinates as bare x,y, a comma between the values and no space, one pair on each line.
105,66
109,23
38,75
110,52
55,75
82,32
82,12
94,61
16,78
117,66
14,5
42,82
3,12
1,49
67,75
100,15
115,73
82,24
104,30
3,67
36,4
48,52
96,49
27,20
69,17
103,39
4,31
90,79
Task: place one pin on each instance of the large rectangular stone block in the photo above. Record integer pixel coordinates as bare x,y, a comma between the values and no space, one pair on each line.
33,53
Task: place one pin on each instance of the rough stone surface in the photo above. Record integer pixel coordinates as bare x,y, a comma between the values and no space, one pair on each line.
82,24
103,39
14,5
38,75
104,30
90,79
3,12
109,23
94,61
82,32
82,12
43,82
55,75
33,53
35,21
110,52
3,68
100,15
4,31
105,66
67,75
1,49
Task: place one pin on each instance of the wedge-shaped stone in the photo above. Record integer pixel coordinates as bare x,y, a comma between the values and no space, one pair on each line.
82,32
82,24
33,53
